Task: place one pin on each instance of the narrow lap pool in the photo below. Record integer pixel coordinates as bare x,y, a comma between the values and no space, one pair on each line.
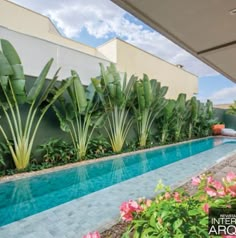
25,197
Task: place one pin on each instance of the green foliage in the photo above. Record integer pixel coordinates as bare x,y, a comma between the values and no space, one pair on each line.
150,106
57,151
99,147
232,109
106,103
176,213
180,117
206,119
192,115
4,151
167,121
78,114
12,84
115,95
185,119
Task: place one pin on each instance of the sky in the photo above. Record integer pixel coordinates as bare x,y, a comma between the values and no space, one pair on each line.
94,22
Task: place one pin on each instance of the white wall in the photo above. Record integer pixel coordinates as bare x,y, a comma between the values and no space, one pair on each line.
35,52
133,60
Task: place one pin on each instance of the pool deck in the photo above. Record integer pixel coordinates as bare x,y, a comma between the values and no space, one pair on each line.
100,210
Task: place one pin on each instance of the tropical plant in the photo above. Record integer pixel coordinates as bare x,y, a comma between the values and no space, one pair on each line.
57,151
99,146
114,94
13,93
180,113
206,119
192,115
150,104
167,120
4,151
176,213
78,115
232,109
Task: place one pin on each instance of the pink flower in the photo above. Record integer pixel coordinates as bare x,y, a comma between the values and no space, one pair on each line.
217,185
196,181
126,216
167,195
221,193
211,192
226,236
206,208
128,208
230,176
148,202
210,179
232,190
134,206
94,234
140,200
177,197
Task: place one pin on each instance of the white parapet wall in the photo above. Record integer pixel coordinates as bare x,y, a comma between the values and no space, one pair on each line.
35,52
136,61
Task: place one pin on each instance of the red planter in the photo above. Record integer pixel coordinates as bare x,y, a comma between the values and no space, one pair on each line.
216,129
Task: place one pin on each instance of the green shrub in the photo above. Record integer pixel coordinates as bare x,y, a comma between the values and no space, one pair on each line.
55,152
99,147
176,213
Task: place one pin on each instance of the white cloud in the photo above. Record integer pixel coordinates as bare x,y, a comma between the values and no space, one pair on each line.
103,18
225,95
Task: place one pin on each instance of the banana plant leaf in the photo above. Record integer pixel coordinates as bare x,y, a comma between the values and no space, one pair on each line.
48,89
78,92
58,92
5,67
39,83
147,91
16,75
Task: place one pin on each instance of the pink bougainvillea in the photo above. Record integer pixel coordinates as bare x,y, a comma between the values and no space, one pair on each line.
128,208
177,197
167,195
196,181
228,236
231,176
206,208
211,192
94,234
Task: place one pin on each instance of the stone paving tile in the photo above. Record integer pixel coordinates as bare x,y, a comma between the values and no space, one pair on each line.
100,210
233,163
226,169
219,176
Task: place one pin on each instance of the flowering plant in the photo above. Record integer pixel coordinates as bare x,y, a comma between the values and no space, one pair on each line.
176,213
94,234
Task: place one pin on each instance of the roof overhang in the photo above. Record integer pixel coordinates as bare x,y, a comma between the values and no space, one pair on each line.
205,28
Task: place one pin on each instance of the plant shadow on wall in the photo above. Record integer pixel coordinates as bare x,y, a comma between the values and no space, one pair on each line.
13,95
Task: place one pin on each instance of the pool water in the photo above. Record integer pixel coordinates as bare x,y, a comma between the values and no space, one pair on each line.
28,196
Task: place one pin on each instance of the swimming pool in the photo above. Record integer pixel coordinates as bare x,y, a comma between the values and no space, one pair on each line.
25,197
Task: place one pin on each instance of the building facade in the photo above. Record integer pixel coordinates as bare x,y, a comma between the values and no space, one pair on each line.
37,40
